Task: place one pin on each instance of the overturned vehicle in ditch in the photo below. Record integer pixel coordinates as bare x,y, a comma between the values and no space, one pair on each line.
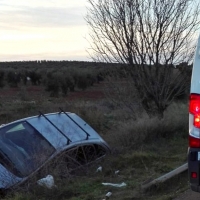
29,144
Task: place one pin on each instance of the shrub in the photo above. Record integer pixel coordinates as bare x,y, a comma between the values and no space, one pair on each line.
100,77
53,84
95,118
2,78
35,77
13,78
91,79
67,83
64,86
129,134
82,82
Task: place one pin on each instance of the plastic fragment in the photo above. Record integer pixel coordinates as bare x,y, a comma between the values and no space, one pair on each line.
115,185
99,169
48,182
108,194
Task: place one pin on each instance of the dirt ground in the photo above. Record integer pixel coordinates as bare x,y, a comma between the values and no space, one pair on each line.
188,195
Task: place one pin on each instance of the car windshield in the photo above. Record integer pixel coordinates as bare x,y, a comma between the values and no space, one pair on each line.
23,149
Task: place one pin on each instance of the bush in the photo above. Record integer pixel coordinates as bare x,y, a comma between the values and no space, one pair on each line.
91,79
95,118
144,130
13,78
59,81
53,84
67,83
35,77
2,79
82,82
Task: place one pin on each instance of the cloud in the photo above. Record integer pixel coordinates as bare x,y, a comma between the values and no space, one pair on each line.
43,17
43,3
43,29
59,43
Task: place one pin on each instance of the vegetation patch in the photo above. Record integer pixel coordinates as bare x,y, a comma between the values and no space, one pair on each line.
143,148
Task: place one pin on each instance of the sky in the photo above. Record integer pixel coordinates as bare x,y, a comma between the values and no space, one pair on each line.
43,30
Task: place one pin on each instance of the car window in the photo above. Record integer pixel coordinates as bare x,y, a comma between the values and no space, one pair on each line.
23,149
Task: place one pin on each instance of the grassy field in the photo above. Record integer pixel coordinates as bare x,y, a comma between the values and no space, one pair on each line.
143,148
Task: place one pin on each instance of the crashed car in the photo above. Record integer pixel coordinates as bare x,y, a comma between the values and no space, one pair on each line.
28,144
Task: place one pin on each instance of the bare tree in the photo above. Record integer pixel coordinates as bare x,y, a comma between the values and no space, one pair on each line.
150,38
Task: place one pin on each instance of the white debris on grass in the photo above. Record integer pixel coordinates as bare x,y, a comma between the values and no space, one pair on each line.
108,194
117,172
115,185
99,169
48,182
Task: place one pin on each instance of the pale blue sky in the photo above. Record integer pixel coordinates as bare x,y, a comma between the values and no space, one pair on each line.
43,29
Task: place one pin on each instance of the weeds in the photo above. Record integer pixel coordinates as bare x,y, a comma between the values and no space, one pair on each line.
143,148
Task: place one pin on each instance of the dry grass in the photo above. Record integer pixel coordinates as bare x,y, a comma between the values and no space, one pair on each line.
143,148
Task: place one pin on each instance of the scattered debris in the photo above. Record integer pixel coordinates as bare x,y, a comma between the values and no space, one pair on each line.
48,182
115,185
99,169
108,194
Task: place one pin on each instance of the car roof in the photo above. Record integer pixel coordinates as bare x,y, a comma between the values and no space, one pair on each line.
63,128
